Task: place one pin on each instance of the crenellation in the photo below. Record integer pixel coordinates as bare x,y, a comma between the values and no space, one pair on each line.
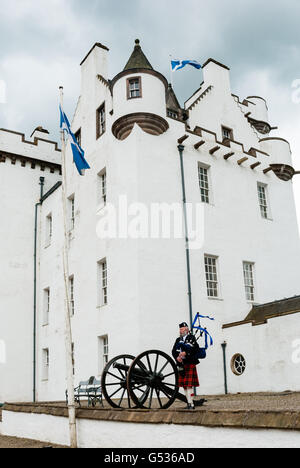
33,163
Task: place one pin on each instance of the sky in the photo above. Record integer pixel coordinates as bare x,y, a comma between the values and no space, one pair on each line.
42,43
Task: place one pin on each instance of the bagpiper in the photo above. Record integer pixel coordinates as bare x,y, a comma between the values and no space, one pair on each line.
185,351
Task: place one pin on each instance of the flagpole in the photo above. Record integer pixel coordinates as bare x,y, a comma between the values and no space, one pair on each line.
171,71
68,329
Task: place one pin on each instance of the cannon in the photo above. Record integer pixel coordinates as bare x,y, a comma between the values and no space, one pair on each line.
147,381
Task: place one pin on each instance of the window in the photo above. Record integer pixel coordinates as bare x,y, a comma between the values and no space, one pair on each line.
227,133
173,114
78,136
204,183
49,229
72,212
134,88
45,355
100,120
103,283
238,364
102,187
211,276
249,280
103,353
46,306
105,350
263,201
71,293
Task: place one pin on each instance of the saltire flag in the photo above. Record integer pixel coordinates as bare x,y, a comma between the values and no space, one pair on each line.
179,64
78,153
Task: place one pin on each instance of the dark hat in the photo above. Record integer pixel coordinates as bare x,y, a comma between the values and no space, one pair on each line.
183,324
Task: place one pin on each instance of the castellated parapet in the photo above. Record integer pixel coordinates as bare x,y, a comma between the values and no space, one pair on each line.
37,153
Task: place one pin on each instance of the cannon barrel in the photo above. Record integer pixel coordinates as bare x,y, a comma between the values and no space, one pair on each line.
120,366
136,372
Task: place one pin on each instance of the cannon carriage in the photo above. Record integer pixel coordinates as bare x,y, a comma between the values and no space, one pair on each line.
147,381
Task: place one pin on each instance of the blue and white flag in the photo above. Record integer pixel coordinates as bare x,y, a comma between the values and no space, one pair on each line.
179,64
78,153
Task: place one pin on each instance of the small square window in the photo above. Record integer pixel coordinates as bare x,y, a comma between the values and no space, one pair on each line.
134,88
227,133
172,114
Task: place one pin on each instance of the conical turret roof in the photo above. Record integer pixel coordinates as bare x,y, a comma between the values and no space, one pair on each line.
138,59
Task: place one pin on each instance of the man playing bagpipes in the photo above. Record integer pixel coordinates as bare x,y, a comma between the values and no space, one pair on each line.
186,352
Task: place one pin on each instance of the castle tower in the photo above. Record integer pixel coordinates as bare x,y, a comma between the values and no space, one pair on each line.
139,97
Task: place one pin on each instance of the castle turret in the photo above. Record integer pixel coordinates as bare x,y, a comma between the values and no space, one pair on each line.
258,115
278,149
139,97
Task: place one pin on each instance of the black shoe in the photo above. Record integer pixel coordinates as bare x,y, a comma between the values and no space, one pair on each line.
200,402
190,407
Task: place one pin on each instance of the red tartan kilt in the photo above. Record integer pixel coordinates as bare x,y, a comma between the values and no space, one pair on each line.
190,377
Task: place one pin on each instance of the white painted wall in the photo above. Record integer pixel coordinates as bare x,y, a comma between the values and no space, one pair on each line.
114,435
271,352
20,190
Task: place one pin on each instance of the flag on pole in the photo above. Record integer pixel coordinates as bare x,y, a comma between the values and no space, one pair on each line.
78,153
179,64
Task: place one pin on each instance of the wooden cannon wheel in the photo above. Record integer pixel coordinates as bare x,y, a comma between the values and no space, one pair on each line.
152,380
114,382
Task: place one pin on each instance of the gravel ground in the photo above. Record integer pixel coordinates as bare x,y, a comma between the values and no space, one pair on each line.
13,442
285,401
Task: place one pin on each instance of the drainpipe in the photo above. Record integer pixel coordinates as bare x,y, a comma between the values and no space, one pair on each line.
187,246
224,345
42,199
42,181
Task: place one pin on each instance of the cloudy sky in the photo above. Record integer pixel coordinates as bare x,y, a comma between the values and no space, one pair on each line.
43,42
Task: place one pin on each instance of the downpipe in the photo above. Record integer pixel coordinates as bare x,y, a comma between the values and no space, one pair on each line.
42,182
187,246
224,346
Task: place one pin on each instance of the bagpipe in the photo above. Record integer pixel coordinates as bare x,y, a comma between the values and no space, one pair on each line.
200,331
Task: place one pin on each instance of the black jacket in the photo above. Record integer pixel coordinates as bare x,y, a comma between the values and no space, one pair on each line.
190,346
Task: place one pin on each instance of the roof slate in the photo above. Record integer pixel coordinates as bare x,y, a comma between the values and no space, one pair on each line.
138,59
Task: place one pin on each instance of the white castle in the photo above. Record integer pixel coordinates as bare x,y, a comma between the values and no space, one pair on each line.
129,294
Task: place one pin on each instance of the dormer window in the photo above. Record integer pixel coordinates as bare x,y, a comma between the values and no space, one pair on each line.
134,88
172,114
227,133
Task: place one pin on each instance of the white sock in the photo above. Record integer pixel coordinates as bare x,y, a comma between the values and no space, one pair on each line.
188,393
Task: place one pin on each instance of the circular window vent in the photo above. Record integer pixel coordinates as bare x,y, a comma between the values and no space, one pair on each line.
238,364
